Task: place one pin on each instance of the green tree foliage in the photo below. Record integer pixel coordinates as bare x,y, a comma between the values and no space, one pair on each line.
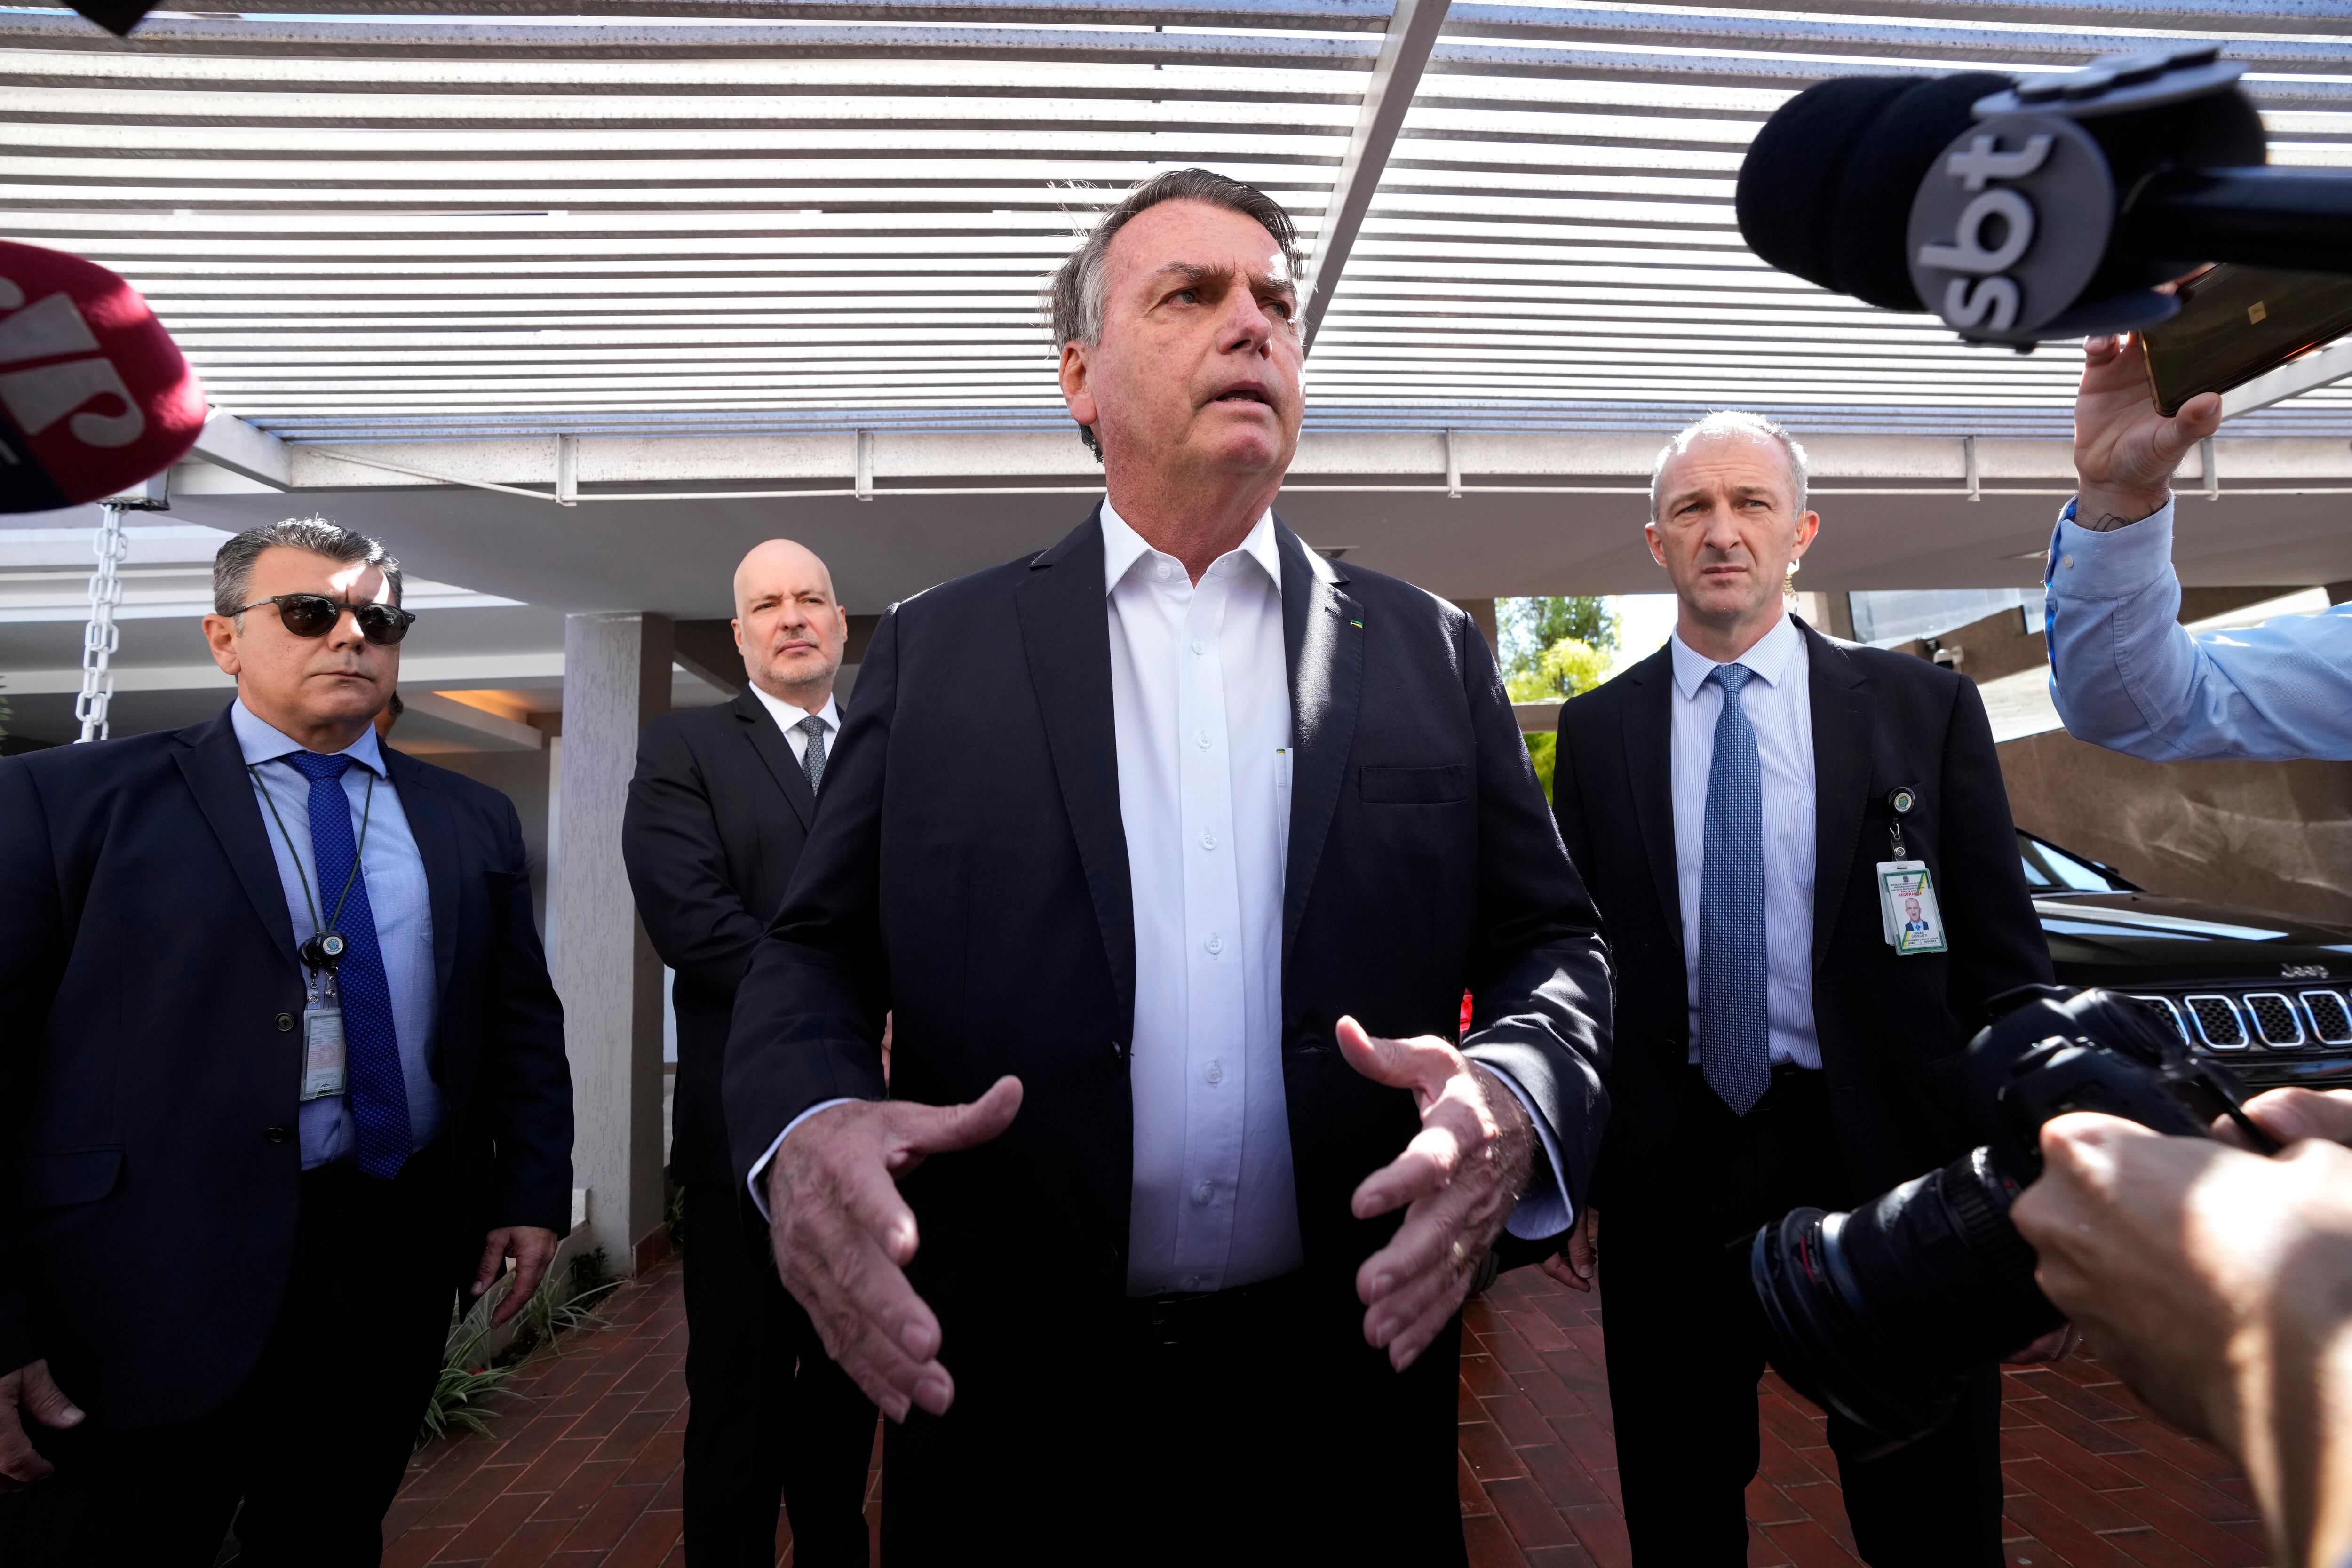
1529,626
1564,669
1543,749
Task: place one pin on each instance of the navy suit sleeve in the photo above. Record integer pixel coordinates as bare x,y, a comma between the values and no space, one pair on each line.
530,1077
32,958
1540,973
669,840
808,1017
1996,942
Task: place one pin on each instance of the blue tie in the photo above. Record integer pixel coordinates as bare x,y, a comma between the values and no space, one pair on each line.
379,1093
1735,1034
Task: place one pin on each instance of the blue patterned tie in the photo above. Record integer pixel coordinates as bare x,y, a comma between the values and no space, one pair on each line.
379,1093
1733,1025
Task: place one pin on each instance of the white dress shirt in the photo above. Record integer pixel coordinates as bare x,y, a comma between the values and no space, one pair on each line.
1780,708
788,719
1201,702
1201,710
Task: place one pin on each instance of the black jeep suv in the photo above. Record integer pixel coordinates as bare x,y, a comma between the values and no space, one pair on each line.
2267,994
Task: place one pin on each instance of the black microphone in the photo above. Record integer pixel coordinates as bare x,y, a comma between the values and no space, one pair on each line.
2021,209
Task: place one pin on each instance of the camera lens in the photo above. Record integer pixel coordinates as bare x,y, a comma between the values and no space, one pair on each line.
1878,1314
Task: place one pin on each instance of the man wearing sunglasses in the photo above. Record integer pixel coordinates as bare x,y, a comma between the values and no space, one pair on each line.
283,1073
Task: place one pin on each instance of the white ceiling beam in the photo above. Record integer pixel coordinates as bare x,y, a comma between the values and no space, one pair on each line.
2314,370
449,671
230,443
972,461
1404,52
505,734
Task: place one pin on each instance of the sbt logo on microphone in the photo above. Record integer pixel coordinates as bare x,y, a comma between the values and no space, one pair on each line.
2009,226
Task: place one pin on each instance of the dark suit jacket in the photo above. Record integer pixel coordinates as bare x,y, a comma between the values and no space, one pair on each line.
150,1064
1889,1027
717,817
969,870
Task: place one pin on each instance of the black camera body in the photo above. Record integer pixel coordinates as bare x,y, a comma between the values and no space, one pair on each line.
1878,1314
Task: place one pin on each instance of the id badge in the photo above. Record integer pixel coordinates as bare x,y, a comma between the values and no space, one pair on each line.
322,1045
1906,908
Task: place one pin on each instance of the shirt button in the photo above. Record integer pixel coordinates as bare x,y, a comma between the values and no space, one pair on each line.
276,1135
1191,1282
1163,571
1216,944
285,1023
1201,739
1214,1072
1199,645
1208,841
2066,560
1203,1193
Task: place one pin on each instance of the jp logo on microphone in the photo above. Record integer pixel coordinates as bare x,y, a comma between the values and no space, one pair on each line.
94,395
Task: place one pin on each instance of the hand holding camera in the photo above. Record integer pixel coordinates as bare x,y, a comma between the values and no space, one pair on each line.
2219,1286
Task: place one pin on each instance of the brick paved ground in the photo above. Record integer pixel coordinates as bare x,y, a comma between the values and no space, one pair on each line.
581,1469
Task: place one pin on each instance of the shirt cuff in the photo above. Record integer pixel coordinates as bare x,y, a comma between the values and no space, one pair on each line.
1545,1211
2086,564
759,1165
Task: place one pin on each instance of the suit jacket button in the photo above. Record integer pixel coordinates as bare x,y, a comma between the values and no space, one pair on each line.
285,1023
275,1134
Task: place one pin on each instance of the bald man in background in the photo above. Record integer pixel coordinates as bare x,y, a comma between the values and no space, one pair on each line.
716,816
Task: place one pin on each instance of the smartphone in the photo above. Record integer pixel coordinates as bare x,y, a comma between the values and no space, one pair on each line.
2239,322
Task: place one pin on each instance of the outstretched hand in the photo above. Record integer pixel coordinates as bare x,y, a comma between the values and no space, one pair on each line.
1457,1182
2124,451
31,1388
844,1236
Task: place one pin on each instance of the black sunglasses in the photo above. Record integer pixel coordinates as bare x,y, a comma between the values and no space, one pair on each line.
315,615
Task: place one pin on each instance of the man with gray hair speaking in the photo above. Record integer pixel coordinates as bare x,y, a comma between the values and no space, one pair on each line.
1172,849
1738,803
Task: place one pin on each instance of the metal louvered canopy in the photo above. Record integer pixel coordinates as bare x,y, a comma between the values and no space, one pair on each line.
653,216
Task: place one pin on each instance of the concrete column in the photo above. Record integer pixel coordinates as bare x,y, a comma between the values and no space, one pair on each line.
616,676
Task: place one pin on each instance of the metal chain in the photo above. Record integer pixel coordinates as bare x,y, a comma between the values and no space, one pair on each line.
101,636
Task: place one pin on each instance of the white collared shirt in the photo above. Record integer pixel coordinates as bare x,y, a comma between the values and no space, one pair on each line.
1200,702
1779,706
788,719
1201,710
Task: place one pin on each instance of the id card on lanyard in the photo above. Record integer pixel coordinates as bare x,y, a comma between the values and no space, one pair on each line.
1906,891
325,1061
322,1036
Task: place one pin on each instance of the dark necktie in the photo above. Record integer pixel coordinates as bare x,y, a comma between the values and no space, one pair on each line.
812,758
1735,1034
377,1089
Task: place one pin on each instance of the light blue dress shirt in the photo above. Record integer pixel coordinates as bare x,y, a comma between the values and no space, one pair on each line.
2127,676
1778,704
403,916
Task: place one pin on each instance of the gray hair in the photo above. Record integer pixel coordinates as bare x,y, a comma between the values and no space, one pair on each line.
1728,422
233,567
1076,298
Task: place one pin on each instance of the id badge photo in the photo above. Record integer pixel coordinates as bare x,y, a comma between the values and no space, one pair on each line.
323,1040
1906,908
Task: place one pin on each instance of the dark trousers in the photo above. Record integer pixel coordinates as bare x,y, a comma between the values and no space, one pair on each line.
316,1441
1256,1425
1686,1345
768,1415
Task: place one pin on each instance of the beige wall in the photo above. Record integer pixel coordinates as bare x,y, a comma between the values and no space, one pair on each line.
2269,835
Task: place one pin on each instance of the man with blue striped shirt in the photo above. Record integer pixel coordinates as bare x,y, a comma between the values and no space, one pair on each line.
2128,675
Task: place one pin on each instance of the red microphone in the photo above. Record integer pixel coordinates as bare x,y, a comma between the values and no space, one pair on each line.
95,397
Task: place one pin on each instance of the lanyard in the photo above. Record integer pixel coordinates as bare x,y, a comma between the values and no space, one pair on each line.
325,939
